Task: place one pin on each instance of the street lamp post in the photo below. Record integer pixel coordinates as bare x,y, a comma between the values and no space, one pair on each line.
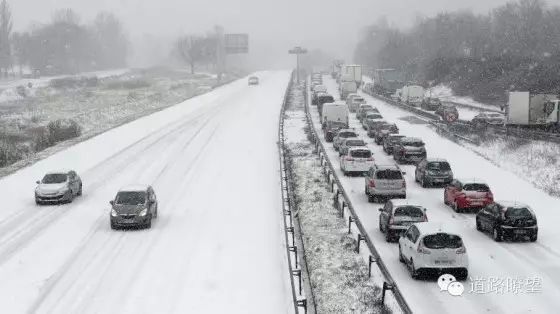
297,51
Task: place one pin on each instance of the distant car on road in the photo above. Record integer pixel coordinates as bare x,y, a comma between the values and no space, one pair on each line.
409,149
447,109
343,134
489,118
358,159
390,141
430,104
397,216
385,181
426,247
383,131
508,220
348,143
134,206
354,101
432,171
368,116
331,128
253,80
57,187
464,194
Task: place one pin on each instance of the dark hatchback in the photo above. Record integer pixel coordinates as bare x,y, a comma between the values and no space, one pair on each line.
508,220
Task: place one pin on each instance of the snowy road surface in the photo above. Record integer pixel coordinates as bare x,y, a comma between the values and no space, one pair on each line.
493,266
217,245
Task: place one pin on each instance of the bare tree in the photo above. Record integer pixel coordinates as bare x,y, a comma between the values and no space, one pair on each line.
194,49
5,36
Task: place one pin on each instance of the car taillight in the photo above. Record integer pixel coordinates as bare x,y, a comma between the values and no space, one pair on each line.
461,250
370,159
371,183
349,158
404,184
422,250
489,195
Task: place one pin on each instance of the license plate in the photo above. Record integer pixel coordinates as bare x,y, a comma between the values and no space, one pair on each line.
361,161
519,231
438,180
128,221
443,262
476,203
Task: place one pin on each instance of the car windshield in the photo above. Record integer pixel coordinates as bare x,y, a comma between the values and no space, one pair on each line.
413,143
53,178
443,241
362,153
366,108
478,187
518,212
347,134
374,116
355,143
131,198
356,99
409,211
439,165
389,174
394,139
494,115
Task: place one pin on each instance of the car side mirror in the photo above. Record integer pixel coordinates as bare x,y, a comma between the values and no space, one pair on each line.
403,172
112,202
380,209
151,202
38,181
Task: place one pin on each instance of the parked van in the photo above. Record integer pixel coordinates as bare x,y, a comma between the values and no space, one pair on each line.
347,88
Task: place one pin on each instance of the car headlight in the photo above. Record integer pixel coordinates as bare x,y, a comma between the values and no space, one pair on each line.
432,173
143,213
63,190
114,212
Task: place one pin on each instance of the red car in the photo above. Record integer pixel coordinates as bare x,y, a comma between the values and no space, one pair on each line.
467,194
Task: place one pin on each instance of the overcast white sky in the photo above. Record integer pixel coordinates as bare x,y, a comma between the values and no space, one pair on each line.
273,26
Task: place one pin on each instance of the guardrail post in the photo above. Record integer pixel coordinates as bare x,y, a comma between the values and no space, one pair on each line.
303,303
341,211
293,249
360,239
371,261
350,220
335,199
290,230
297,272
386,286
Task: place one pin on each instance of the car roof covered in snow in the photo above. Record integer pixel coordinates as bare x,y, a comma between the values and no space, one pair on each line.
387,166
134,188
404,202
514,204
427,228
471,181
59,171
432,159
361,148
411,139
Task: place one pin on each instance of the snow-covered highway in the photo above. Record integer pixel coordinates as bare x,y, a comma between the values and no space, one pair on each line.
217,245
536,265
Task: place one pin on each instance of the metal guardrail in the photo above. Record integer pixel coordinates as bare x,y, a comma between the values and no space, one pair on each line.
296,269
481,109
334,181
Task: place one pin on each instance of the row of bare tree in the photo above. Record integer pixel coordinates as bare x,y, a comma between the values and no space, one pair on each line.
516,46
64,45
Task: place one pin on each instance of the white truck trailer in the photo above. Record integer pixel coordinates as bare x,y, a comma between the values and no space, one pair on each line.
336,112
412,95
351,72
533,110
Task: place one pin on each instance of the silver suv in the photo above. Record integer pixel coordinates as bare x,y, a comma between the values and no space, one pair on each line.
134,206
385,181
397,215
341,135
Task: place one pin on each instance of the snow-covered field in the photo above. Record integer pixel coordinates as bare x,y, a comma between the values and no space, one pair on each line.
489,261
446,94
114,101
217,245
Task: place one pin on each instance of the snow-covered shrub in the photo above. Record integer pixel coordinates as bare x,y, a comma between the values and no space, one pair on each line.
63,129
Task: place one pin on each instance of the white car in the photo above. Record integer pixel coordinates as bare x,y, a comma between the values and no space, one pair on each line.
427,247
320,89
253,80
58,187
347,143
343,134
357,160
354,102
363,107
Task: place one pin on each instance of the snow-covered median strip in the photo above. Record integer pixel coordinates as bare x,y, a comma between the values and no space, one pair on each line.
339,275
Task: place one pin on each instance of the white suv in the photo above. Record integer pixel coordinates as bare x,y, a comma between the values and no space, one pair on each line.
425,247
357,160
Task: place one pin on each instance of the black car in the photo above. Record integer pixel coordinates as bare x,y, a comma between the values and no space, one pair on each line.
332,128
432,171
409,149
430,104
508,220
134,206
390,141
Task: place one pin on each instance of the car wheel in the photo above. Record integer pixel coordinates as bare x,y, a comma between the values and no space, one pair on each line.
424,183
113,226
497,234
533,238
401,257
70,198
478,225
370,198
80,190
37,202
445,198
149,224
456,207
388,236
413,271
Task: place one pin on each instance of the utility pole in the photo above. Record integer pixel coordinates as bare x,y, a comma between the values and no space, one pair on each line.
220,53
297,51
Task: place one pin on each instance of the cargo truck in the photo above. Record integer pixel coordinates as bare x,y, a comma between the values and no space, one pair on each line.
533,110
412,95
351,72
